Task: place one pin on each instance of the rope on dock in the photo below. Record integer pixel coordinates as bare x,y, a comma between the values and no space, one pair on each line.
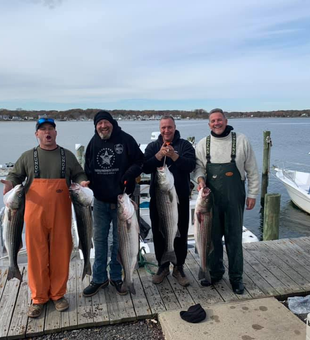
143,263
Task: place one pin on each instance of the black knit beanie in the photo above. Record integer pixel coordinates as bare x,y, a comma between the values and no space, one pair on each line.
194,314
103,115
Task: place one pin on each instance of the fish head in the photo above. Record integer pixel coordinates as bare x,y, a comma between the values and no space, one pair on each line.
81,195
125,208
165,179
14,198
205,192
204,199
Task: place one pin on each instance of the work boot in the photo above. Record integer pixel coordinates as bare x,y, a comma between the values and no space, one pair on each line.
61,304
93,288
118,286
237,287
178,273
35,310
162,272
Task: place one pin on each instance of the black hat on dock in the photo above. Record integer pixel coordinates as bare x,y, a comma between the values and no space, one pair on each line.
194,314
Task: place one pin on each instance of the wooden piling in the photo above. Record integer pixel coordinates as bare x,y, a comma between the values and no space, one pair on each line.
80,154
266,165
271,217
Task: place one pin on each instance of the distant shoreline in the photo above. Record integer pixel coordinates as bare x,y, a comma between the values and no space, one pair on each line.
142,120
85,115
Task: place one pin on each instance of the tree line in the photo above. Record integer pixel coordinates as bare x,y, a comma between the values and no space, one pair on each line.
78,114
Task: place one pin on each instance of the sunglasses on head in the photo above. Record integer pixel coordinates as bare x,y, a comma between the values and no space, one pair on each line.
46,120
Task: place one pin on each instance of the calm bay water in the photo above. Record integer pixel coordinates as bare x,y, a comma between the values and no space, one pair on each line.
290,139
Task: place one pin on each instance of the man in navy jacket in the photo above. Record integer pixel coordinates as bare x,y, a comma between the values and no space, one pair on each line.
180,158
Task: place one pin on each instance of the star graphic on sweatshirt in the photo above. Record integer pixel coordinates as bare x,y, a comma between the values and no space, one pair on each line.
106,158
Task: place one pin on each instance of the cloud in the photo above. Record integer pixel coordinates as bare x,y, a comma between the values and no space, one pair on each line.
118,52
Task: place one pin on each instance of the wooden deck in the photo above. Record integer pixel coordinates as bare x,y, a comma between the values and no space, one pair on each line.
274,268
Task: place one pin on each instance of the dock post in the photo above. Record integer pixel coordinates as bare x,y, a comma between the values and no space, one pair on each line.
271,217
266,165
80,154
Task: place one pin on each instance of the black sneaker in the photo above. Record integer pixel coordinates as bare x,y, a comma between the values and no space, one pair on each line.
93,288
118,286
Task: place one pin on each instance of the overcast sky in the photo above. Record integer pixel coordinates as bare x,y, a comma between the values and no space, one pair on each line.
165,54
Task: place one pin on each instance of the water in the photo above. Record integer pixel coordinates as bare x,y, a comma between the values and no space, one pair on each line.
290,139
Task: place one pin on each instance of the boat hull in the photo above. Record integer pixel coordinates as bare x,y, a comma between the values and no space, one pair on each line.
297,185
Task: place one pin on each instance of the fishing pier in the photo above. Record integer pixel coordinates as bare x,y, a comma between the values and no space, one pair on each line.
271,269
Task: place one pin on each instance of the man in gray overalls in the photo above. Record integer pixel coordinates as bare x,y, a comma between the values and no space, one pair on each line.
224,160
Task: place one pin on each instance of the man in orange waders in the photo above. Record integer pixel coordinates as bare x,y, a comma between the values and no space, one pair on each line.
48,170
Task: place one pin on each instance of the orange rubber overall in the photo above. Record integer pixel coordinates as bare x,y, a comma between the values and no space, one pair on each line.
48,238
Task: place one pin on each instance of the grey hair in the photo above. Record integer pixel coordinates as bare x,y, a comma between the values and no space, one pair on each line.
217,110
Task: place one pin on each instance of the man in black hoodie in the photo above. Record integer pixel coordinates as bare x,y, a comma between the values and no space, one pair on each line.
113,160
180,158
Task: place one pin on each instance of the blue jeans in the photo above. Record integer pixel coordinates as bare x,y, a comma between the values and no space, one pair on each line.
104,214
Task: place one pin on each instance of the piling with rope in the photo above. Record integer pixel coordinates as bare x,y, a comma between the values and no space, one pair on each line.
266,165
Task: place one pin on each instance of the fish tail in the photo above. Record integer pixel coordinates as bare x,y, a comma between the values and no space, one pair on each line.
207,274
86,270
132,289
169,256
204,274
14,272
201,274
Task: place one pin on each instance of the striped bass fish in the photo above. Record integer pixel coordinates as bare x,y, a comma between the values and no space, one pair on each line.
167,207
82,198
13,222
128,238
202,231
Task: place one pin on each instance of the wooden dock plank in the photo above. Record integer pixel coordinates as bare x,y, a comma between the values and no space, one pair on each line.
139,300
19,319
151,292
285,273
182,294
290,253
7,305
120,308
271,268
69,317
303,244
85,315
165,290
100,308
198,292
52,319
274,282
222,287
258,281
3,276
292,268
271,272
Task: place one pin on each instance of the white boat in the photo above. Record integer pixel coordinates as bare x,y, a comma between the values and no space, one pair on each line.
297,184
